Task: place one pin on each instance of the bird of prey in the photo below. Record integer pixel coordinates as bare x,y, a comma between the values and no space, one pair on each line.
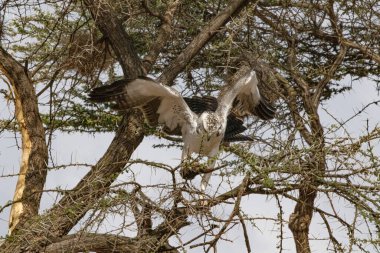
203,122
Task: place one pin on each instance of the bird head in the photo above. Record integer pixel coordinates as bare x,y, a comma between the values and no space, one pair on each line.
210,125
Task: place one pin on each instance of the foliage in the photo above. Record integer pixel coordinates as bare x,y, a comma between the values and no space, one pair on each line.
303,53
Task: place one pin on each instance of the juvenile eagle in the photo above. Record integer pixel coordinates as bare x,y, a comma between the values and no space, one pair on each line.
203,122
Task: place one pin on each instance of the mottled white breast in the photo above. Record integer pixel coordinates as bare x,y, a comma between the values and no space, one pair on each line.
198,143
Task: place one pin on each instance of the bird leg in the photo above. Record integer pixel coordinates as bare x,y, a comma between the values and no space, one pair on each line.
186,165
206,177
191,168
187,172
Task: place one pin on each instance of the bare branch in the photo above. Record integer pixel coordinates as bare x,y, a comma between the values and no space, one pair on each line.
105,243
163,33
201,39
329,75
114,31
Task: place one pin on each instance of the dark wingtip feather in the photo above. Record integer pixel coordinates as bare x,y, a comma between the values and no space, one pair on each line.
264,110
107,93
237,137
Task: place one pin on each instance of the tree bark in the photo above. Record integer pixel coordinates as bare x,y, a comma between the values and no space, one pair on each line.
112,28
300,219
60,219
106,243
34,156
314,168
201,39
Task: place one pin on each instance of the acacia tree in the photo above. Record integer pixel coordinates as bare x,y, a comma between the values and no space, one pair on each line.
53,52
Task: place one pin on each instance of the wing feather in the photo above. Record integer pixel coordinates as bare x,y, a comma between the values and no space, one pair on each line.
200,104
149,110
237,138
243,99
234,126
159,103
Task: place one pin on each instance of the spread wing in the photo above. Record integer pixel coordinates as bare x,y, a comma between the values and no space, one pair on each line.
243,99
160,104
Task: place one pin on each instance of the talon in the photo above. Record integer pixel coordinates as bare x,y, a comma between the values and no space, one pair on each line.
189,170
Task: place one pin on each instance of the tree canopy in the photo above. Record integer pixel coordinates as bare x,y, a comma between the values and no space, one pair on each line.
305,53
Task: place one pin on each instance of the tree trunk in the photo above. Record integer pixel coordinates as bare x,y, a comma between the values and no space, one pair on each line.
314,168
300,219
34,157
62,217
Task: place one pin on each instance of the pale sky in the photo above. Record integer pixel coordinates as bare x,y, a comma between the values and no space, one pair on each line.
86,148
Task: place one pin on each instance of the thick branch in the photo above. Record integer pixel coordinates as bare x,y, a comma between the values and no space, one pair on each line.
365,50
106,243
163,35
201,39
292,103
300,219
329,75
121,43
59,220
33,171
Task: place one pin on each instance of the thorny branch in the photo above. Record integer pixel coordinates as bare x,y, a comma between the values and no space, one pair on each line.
298,159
